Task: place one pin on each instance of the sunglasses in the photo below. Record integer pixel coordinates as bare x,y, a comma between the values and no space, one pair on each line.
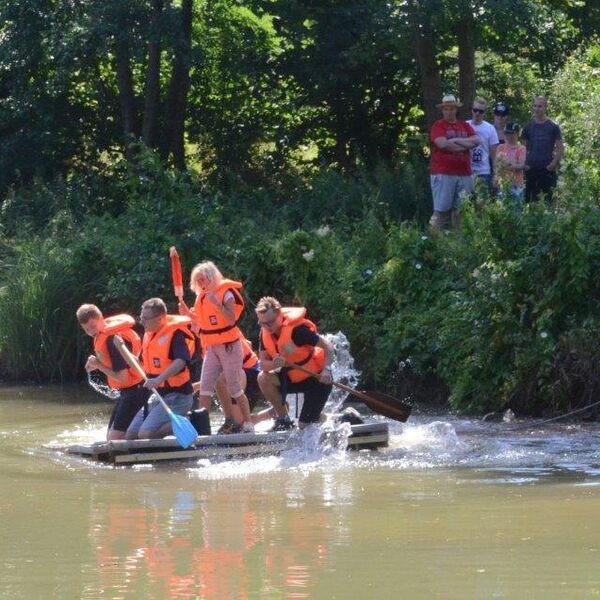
478,110
145,318
268,323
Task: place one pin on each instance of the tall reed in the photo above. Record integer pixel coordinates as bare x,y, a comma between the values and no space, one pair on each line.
39,293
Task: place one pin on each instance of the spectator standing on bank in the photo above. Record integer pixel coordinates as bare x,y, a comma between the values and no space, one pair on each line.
542,138
510,163
501,114
483,156
451,142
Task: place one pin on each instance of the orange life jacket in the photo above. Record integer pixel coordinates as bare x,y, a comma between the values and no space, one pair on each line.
156,346
214,329
311,357
121,325
250,358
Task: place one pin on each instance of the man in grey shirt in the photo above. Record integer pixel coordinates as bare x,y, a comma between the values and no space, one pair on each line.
543,140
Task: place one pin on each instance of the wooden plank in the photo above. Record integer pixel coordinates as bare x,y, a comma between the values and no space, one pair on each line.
198,454
367,435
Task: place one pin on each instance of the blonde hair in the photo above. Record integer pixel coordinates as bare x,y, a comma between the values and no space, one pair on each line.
267,303
480,100
209,270
86,312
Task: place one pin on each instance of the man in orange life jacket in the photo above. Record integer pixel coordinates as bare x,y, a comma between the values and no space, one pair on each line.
288,337
167,350
132,395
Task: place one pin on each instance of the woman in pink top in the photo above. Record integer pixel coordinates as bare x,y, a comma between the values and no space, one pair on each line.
510,164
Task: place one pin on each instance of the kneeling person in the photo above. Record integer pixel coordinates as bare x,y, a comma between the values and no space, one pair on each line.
288,337
107,359
167,350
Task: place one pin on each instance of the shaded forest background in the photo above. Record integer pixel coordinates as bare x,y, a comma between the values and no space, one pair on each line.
287,141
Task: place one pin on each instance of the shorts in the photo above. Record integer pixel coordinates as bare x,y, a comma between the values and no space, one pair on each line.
315,393
448,191
157,416
127,405
227,358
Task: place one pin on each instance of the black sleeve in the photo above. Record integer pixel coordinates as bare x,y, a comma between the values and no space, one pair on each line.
303,336
179,348
118,362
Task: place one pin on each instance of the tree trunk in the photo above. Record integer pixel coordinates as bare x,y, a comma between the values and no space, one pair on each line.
178,91
152,88
466,63
431,84
125,85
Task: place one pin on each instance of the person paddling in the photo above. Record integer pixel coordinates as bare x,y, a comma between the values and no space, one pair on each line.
167,349
218,307
288,338
107,359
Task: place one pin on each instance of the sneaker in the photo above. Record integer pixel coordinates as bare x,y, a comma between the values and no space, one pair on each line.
283,424
248,427
229,426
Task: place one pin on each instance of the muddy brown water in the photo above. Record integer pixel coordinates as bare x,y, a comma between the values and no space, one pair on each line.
452,509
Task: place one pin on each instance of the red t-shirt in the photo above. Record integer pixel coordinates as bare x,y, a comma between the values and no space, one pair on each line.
450,163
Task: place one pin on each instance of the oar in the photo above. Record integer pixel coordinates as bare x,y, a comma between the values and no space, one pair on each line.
183,430
176,273
385,405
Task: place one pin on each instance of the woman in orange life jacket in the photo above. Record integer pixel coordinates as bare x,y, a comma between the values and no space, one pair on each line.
218,307
249,381
107,359
167,349
287,336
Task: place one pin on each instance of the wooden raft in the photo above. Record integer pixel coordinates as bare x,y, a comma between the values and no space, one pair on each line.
368,435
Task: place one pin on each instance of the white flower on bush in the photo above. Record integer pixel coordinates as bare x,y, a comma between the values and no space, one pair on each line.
544,335
418,266
579,171
323,231
308,256
368,272
424,237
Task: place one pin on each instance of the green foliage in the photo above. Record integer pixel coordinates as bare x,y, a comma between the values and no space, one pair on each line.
40,290
575,97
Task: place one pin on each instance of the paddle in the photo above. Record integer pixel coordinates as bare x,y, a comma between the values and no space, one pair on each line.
176,273
385,405
183,430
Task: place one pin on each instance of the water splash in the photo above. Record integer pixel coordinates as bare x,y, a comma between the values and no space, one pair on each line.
343,369
316,448
102,387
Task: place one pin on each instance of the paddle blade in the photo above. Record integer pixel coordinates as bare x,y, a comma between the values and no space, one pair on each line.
387,406
183,430
176,272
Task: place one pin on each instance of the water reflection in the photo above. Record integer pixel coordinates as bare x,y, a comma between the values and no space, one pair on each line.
217,539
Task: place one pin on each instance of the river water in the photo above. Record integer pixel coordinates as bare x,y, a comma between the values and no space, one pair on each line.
454,508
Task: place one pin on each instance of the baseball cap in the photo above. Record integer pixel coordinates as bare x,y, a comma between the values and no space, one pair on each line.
501,108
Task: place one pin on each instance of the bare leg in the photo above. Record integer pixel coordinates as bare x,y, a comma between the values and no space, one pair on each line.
438,220
455,216
229,409
244,406
114,434
269,386
205,401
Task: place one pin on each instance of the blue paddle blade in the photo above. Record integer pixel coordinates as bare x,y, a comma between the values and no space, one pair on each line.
183,430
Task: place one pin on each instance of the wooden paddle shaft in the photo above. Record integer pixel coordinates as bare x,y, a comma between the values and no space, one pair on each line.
133,362
337,384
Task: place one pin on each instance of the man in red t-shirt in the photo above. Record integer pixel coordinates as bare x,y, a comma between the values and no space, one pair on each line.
451,141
